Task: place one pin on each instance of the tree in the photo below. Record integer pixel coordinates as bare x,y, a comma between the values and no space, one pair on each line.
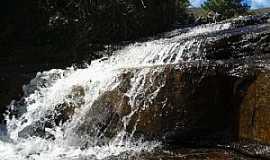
78,23
184,3
71,29
182,15
227,8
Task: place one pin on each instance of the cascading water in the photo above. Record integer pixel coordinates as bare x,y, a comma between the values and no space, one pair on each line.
57,103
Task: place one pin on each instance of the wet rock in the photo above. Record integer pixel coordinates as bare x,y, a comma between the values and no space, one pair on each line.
169,103
74,100
249,20
183,154
36,129
254,114
250,148
191,104
61,114
103,120
239,44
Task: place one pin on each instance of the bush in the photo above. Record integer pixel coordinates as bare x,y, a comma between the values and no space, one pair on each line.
114,20
66,30
227,8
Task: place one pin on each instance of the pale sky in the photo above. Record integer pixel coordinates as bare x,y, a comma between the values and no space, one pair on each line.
253,3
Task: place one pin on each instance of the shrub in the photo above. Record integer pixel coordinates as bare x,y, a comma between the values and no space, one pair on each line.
227,8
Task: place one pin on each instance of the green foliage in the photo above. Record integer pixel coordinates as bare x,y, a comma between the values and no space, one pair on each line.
227,8
82,23
184,3
66,30
111,20
182,14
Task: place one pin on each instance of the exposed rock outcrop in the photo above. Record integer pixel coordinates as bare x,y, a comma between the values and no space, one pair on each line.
255,110
174,103
212,101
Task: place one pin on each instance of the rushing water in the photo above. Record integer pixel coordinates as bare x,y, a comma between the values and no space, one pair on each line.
52,88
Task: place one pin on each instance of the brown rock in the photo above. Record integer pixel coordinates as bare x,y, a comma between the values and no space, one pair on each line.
192,103
170,103
103,120
255,110
66,110
184,105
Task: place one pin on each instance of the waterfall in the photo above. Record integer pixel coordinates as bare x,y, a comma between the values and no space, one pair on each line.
56,119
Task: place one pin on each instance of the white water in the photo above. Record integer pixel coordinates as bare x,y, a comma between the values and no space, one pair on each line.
53,87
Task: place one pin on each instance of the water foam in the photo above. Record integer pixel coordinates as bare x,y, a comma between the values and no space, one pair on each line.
52,88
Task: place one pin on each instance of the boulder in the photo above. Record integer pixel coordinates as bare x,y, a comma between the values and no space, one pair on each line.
171,103
36,129
184,105
237,44
254,120
104,119
64,112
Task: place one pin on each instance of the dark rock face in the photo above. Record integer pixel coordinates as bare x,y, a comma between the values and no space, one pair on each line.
104,119
65,111
183,108
254,110
250,37
192,106
36,129
218,102
184,154
176,105
240,45
200,105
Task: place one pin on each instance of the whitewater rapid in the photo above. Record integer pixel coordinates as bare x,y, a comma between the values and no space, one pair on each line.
51,88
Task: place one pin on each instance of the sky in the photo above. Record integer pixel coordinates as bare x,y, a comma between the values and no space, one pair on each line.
253,3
